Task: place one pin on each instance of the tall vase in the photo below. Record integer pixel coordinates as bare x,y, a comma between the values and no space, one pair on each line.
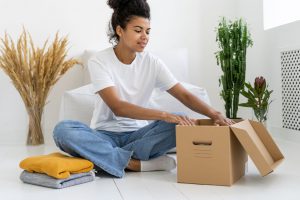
262,119
35,133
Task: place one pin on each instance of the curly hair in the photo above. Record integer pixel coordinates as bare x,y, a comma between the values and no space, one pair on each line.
124,11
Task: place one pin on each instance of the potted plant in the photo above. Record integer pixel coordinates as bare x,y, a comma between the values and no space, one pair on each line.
33,72
233,39
258,98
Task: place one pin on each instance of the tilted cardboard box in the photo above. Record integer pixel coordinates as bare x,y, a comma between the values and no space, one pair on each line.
208,154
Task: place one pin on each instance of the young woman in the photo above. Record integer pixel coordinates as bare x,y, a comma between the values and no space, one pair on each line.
124,76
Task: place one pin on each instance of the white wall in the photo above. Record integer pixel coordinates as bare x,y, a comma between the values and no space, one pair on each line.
175,23
264,57
279,39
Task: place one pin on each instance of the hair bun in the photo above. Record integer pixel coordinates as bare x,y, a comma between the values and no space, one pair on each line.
115,4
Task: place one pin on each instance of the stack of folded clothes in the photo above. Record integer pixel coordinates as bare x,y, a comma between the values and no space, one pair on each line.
56,170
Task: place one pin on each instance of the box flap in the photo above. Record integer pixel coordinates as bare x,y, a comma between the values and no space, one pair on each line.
259,144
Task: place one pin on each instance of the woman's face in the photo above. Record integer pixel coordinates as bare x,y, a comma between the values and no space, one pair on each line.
135,36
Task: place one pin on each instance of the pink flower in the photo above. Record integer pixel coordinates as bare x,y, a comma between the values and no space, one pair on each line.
259,84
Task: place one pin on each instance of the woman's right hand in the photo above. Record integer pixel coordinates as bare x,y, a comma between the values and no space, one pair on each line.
178,119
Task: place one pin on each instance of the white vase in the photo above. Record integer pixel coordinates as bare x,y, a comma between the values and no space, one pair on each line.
264,122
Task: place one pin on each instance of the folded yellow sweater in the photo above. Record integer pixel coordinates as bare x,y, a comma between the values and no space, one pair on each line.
56,165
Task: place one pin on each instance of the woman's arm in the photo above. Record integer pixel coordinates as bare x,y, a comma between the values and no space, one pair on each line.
197,105
125,109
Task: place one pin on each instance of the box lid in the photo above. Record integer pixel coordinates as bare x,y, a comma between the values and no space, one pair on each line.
259,144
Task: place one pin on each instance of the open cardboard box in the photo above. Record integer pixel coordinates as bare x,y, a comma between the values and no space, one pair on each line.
208,154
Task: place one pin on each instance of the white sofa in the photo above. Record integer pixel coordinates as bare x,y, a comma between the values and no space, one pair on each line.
78,104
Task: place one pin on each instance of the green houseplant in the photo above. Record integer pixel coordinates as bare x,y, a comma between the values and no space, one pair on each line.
258,98
233,39
33,72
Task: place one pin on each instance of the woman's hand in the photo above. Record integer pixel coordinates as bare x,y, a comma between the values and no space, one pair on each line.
219,119
178,119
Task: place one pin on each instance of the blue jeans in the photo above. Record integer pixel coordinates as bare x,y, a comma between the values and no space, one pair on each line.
111,151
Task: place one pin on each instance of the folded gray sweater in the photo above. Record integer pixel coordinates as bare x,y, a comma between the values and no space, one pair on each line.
48,181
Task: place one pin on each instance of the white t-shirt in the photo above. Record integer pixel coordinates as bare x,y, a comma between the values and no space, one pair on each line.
134,83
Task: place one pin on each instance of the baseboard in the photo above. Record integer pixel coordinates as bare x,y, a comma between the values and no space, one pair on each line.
285,134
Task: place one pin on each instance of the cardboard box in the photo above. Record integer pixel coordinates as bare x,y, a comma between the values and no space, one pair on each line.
208,154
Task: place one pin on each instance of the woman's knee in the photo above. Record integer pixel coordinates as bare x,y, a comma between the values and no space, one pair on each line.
167,126
170,126
65,128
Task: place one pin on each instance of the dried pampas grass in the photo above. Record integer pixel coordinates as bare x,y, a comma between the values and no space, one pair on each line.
33,72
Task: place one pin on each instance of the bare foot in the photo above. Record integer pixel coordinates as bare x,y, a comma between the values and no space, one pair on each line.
134,165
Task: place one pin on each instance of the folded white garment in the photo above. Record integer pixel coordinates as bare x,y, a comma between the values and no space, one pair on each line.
48,181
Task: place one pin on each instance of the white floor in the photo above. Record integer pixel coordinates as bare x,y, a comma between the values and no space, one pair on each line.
284,183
